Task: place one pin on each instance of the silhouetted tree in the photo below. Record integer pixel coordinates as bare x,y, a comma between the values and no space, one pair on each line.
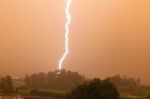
6,84
9,84
126,84
2,84
94,89
66,80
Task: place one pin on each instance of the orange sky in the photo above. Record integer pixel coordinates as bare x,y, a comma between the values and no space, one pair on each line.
107,37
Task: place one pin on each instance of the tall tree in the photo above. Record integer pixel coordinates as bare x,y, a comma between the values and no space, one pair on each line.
7,84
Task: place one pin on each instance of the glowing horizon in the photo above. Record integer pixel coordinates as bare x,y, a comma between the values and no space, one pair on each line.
67,30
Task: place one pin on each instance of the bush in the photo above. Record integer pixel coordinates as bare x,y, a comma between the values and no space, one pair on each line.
94,89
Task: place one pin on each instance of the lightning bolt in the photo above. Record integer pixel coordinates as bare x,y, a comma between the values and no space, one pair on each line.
67,30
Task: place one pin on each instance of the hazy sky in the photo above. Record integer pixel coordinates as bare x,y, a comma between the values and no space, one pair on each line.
107,37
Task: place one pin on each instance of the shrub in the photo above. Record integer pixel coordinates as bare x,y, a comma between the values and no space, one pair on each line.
94,89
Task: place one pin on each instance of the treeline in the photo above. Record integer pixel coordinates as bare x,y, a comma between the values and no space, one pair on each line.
66,81
128,85
69,80
51,80
6,84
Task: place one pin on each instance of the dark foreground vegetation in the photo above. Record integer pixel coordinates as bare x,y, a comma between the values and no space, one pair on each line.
94,89
72,85
6,84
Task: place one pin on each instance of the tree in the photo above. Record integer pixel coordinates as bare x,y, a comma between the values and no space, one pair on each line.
2,84
126,84
66,80
6,84
94,89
